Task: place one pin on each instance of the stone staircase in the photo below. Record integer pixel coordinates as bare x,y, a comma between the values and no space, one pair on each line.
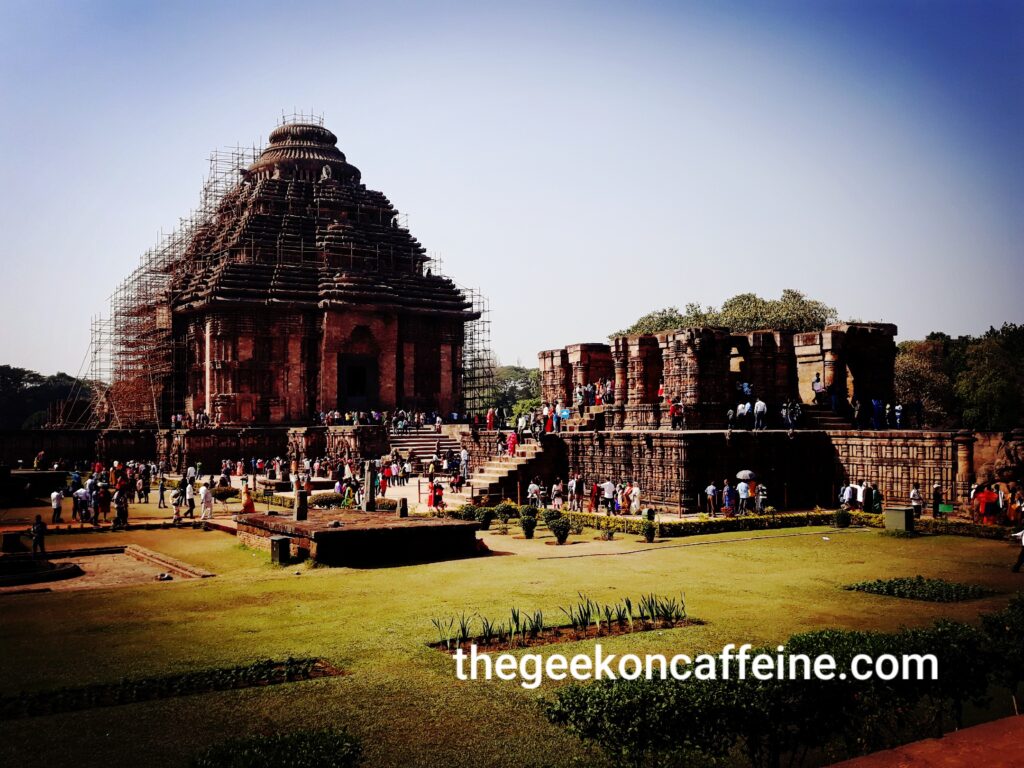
591,420
821,417
423,442
491,479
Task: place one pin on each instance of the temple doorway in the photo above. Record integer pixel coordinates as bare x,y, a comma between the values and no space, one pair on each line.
357,382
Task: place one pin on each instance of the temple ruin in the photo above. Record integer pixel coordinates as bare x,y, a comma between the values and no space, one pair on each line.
292,290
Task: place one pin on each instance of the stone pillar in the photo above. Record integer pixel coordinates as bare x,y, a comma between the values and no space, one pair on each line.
964,441
445,404
408,372
621,367
301,505
369,488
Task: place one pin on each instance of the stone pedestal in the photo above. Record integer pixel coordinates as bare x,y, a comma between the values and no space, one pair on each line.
280,550
301,505
403,507
899,518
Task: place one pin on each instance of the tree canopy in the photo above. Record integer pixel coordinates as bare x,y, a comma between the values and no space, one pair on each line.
969,381
743,313
25,395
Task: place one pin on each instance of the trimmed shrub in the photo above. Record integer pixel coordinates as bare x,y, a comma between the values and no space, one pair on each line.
331,500
560,527
484,516
920,588
325,748
649,530
528,525
550,515
223,494
506,510
826,718
843,518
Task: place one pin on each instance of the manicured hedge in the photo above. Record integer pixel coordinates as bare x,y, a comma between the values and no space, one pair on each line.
71,699
699,527
779,722
325,748
944,527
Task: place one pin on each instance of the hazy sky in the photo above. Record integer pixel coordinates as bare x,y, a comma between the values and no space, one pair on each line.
581,163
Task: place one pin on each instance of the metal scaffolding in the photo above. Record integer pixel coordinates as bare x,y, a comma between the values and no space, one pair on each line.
136,361
133,348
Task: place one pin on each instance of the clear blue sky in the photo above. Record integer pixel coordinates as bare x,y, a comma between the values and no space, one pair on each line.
581,163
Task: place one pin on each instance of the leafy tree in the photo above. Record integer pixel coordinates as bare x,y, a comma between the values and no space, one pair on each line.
25,395
990,386
743,313
513,383
921,373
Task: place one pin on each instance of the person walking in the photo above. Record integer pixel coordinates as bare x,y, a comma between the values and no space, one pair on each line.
936,500
190,500
56,499
206,502
38,534
161,490
711,494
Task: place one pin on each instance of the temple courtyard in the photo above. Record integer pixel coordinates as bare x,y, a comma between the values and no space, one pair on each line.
374,625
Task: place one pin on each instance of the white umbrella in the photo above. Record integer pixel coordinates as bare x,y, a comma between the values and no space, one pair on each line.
745,474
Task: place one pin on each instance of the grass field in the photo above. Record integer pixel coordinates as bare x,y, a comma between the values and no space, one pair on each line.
401,698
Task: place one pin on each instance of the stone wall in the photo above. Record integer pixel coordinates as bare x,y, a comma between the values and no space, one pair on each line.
672,468
894,460
71,445
363,442
183,448
74,446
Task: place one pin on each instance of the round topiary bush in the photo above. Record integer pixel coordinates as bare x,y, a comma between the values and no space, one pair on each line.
550,515
506,510
528,525
465,512
484,516
560,527
649,529
223,494
843,517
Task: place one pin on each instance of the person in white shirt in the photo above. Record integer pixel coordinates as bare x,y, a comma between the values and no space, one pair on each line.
760,411
848,494
634,500
190,500
206,502
56,498
743,489
608,495
916,500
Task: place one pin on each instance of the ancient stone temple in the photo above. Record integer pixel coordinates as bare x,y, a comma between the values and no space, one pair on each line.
702,367
297,291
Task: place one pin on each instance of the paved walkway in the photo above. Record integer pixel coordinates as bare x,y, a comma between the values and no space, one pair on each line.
999,744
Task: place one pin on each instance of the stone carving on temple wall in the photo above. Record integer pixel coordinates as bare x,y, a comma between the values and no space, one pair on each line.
1008,466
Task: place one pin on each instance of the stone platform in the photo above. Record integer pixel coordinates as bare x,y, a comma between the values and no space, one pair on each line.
362,539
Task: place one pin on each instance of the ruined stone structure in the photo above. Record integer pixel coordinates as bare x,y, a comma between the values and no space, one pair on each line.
703,365
297,291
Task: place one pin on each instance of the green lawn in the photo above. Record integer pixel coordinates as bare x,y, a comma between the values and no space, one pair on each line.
401,697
